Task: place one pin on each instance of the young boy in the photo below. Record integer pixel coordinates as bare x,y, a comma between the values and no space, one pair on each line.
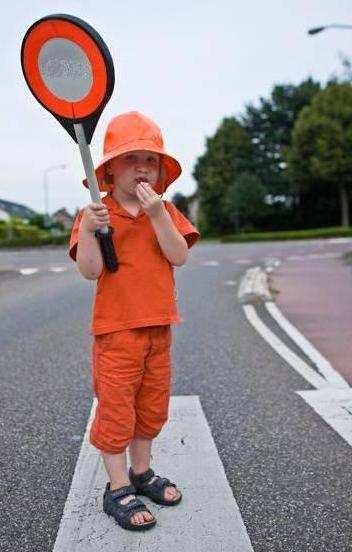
134,308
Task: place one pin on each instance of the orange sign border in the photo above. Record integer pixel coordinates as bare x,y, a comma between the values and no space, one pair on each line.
58,28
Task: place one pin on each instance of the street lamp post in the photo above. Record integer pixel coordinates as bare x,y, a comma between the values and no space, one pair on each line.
316,30
313,31
46,191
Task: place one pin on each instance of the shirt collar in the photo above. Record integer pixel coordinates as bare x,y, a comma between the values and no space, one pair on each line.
117,208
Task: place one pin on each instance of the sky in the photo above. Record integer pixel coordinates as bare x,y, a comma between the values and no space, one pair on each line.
185,64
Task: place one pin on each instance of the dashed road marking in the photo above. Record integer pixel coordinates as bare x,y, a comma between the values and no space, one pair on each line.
210,263
58,268
35,270
296,258
28,271
339,240
323,255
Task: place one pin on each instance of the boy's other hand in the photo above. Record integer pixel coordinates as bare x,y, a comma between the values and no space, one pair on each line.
95,216
150,202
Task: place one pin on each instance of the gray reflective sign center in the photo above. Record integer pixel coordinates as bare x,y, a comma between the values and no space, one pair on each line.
65,69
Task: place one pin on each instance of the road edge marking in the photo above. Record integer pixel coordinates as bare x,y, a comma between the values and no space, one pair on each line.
285,352
322,364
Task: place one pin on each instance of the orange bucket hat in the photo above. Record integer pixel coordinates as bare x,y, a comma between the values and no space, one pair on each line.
130,132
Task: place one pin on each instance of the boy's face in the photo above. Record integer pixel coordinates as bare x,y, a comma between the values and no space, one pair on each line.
133,167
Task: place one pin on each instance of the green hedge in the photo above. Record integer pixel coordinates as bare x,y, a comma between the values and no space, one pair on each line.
334,232
44,238
34,242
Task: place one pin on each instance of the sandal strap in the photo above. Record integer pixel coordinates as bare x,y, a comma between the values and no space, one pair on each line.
162,482
126,511
122,491
135,505
142,478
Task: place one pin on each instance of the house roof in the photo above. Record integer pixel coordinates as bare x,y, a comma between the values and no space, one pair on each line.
16,209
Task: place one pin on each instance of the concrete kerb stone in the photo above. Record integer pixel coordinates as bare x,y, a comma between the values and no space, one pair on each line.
254,286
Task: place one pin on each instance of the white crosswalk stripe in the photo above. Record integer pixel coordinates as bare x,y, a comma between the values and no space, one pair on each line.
207,518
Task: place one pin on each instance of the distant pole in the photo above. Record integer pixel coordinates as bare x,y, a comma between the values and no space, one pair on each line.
46,191
316,30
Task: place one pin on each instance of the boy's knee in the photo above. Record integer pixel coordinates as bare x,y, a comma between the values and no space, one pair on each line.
111,433
113,444
149,426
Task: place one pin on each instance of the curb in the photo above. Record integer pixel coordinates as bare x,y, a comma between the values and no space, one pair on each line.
254,286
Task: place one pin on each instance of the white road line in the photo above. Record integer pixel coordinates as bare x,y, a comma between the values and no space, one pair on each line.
332,398
208,517
322,364
28,271
210,263
291,358
339,240
323,255
334,406
295,258
58,268
272,262
230,282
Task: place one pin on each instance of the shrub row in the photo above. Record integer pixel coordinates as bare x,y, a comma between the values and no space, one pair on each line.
334,232
46,239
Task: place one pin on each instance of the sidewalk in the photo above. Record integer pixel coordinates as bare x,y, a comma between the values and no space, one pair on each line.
315,294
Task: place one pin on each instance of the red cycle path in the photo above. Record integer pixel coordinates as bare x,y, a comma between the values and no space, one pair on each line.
315,295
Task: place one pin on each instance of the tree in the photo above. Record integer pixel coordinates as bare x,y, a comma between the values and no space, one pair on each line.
269,127
322,144
228,154
180,201
244,199
38,220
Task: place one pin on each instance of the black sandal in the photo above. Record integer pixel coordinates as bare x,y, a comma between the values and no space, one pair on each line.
154,490
123,513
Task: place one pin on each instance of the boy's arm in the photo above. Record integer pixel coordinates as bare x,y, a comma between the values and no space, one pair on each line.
89,257
174,231
172,243
85,250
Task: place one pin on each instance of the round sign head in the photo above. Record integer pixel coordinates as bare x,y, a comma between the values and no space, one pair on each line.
69,70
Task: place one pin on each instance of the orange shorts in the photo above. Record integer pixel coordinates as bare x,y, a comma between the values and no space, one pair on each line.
131,379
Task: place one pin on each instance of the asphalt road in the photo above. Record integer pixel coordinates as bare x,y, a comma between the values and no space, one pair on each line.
289,471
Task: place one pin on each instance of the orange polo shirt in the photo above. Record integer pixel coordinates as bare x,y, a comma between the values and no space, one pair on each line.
142,291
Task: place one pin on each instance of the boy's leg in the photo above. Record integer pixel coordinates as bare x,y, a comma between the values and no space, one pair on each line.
140,454
116,375
140,450
152,401
116,467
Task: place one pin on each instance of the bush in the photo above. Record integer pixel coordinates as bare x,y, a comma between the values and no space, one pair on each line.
18,233
46,239
314,233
